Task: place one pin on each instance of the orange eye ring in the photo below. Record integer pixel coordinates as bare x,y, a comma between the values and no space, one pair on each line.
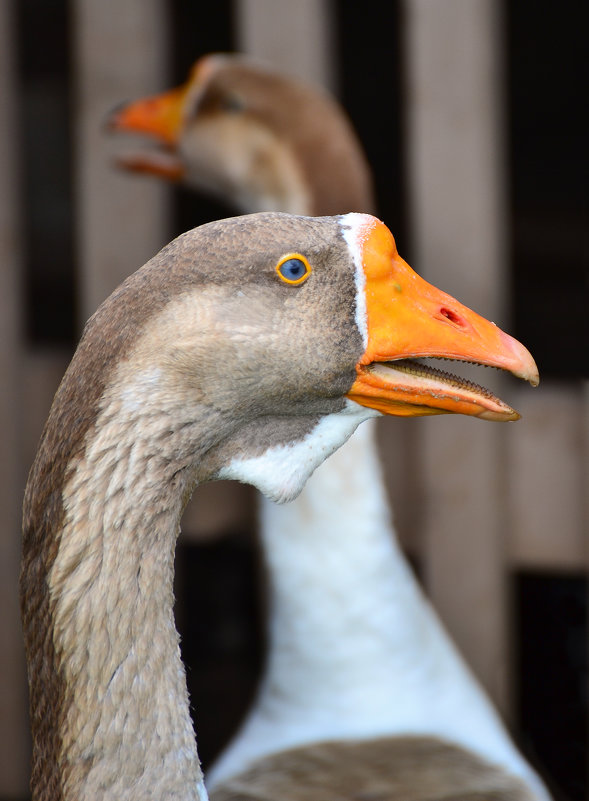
293,269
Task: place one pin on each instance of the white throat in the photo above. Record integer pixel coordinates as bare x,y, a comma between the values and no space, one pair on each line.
281,472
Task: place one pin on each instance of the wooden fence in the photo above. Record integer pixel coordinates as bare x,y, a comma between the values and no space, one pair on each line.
482,500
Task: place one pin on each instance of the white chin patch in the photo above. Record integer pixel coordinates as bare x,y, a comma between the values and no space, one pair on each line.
281,472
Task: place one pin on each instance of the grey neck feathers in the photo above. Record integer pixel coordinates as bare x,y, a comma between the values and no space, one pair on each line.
124,728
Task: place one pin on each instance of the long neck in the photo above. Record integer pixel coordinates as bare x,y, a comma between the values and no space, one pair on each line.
348,621
121,721
319,175
355,650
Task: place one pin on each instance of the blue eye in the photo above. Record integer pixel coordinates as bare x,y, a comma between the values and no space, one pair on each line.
293,269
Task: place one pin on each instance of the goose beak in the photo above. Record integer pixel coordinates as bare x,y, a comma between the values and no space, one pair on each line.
408,319
160,117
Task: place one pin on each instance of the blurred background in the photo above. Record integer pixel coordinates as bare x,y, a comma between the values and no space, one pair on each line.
471,115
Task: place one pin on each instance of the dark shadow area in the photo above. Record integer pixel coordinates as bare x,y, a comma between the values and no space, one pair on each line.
222,636
195,32
547,79
46,162
369,56
550,630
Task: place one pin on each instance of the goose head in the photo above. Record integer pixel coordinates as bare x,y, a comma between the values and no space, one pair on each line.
258,139
289,331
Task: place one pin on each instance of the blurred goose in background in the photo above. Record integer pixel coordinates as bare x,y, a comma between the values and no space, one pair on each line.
261,141
355,650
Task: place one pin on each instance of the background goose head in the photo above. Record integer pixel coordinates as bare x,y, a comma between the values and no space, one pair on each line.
257,139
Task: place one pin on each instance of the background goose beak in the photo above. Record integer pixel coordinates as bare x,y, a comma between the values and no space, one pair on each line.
159,116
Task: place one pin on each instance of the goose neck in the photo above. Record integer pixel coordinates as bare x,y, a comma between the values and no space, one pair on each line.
117,713
339,586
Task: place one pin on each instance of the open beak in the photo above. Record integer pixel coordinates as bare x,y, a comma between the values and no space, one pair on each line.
159,117
163,118
408,319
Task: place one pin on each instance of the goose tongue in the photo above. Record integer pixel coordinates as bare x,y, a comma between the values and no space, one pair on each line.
162,163
408,319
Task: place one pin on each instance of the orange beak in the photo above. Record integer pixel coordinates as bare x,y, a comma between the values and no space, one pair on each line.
408,319
161,117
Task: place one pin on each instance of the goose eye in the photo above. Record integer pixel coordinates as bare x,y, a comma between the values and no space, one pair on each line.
293,268
233,103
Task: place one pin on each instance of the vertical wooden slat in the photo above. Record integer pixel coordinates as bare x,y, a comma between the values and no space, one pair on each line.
122,220
293,37
548,482
14,746
456,193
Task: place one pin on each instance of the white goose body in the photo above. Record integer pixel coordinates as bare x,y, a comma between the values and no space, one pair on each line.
355,649
356,652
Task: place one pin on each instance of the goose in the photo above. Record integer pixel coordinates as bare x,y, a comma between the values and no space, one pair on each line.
321,681
260,140
248,348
